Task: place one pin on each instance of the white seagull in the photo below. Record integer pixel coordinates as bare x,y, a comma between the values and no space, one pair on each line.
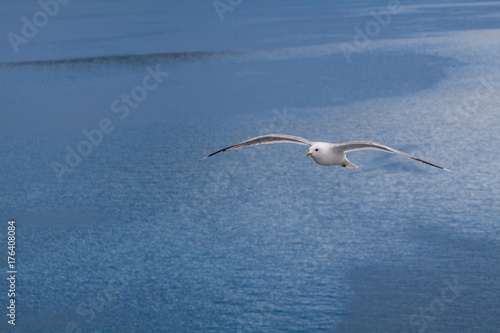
323,153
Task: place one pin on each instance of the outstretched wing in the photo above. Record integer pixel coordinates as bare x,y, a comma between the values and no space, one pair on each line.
360,145
265,139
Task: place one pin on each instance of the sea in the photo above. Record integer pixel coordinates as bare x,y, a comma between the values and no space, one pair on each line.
107,107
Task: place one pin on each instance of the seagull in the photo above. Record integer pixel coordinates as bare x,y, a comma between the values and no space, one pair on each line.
323,153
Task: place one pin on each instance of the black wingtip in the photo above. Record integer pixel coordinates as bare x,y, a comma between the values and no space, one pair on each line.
434,165
219,151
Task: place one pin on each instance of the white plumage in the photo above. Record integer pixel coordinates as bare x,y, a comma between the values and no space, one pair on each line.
323,153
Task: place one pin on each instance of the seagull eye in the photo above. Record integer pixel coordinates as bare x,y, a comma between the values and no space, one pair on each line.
316,149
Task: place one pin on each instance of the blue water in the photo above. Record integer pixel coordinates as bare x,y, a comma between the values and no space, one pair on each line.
140,236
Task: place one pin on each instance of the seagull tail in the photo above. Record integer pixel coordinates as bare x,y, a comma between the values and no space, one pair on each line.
348,164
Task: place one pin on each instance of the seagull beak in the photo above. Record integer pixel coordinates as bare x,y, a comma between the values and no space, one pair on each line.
309,153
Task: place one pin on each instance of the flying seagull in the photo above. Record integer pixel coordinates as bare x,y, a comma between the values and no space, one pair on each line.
323,153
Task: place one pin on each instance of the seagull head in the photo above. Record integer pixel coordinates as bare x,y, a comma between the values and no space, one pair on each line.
319,151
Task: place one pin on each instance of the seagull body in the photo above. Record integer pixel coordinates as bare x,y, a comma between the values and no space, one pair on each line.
323,153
